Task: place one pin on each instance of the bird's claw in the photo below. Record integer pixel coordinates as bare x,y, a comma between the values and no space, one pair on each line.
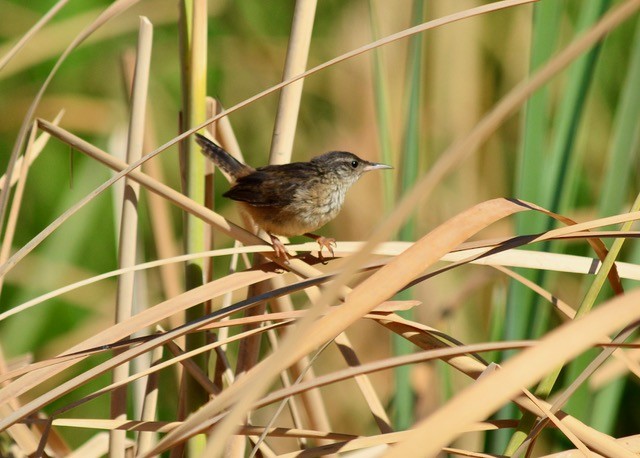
324,242
328,243
279,248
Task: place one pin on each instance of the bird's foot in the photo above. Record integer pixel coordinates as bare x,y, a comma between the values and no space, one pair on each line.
324,242
279,248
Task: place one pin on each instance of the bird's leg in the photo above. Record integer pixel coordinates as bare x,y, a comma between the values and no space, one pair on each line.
278,247
324,242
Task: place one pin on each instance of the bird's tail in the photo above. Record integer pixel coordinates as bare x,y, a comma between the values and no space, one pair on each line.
222,158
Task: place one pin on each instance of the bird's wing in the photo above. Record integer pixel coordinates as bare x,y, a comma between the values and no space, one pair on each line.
273,185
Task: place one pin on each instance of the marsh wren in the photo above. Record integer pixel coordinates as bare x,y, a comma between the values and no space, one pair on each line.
295,198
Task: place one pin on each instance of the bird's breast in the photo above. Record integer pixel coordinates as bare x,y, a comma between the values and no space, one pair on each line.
312,205
321,200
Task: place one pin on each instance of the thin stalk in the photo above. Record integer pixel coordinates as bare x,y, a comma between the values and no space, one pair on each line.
404,396
621,156
382,112
34,147
193,55
147,439
290,96
311,400
32,31
129,222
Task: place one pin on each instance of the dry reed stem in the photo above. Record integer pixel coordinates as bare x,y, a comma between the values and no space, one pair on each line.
161,225
192,368
295,63
21,434
146,439
166,426
129,219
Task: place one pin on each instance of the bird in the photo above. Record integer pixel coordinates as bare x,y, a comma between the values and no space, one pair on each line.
291,199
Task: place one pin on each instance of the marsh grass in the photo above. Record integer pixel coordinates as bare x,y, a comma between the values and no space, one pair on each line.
221,349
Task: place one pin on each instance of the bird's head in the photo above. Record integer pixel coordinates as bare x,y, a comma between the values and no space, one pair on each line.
345,166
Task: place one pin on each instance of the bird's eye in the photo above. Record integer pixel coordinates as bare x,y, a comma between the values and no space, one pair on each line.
354,164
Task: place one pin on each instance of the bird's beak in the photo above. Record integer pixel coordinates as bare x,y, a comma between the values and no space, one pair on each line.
375,166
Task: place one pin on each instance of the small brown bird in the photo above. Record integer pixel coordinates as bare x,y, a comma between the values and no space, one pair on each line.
291,199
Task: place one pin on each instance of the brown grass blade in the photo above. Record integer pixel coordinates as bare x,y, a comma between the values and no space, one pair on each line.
496,389
310,333
181,357
139,321
166,426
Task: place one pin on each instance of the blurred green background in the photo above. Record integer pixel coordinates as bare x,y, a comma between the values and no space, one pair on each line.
424,95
